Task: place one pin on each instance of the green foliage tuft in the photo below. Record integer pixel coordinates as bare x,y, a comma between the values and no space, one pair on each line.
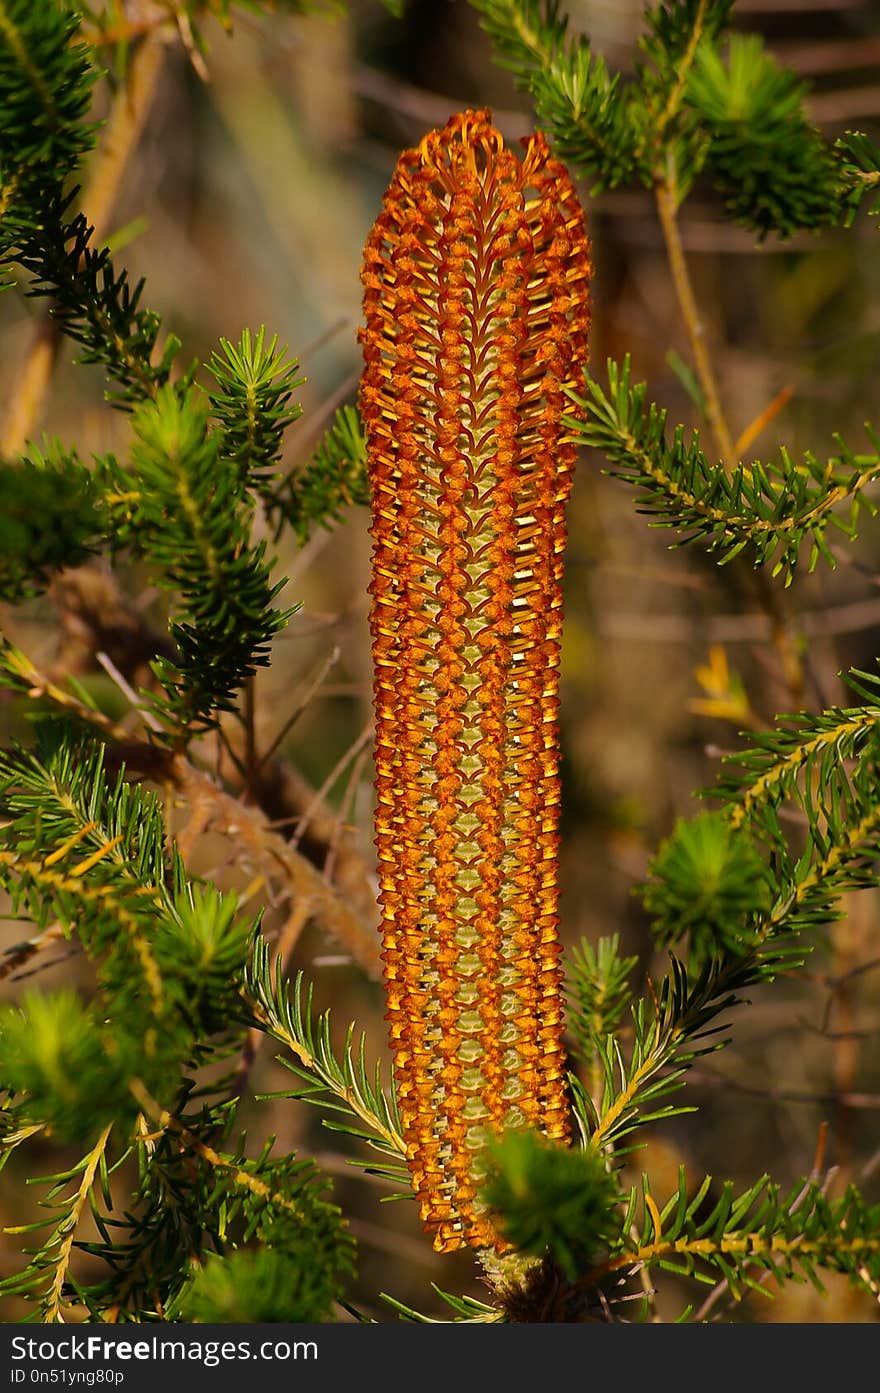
185,509
549,1198
259,1285
674,31
708,882
210,947
639,1067
333,480
46,84
588,115
307,1255
340,1083
804,751
252,403
526,34
71,1073
46,81
197,1199
168,955
49,518
598,991
771,166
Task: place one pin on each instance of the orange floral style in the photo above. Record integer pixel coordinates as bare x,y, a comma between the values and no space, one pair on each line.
477,308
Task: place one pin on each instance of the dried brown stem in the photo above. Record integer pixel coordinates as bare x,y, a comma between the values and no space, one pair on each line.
20,954
304,881
98,619
249,827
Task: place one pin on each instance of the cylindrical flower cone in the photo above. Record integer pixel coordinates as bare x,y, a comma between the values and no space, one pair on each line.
477,310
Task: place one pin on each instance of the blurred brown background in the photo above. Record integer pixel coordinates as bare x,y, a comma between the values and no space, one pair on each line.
246,201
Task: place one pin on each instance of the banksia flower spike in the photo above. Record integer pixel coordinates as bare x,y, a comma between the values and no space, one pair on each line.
476,279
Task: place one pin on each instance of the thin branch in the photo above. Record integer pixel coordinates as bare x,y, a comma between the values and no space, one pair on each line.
22,953
249,722
122,132
341,764
785,639
342,816
666,195
330,661
127,690
831,621
244,1179
53,1313
863,1101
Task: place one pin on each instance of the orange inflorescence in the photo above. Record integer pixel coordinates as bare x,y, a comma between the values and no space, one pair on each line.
477,311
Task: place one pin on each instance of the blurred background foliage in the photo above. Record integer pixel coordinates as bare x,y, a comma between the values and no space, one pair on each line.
258,168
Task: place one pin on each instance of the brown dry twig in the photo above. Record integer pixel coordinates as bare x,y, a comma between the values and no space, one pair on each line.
247,826
20,954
